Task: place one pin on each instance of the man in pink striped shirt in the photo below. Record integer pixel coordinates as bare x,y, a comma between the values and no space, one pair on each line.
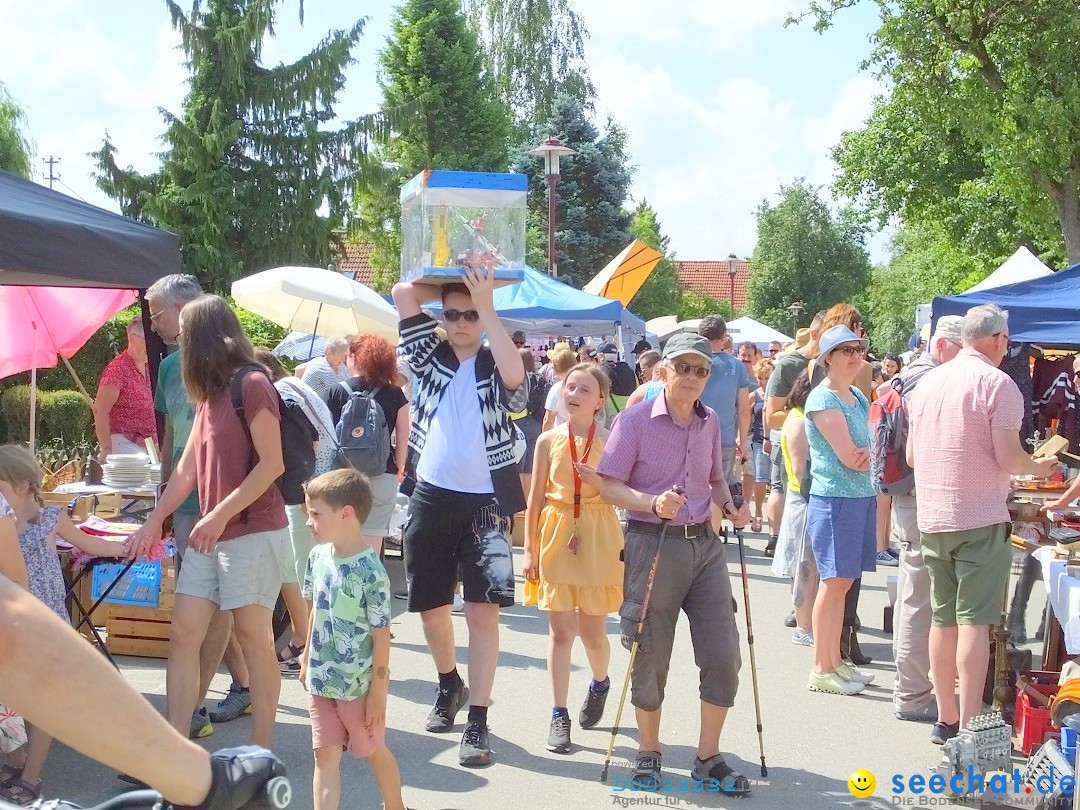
964,444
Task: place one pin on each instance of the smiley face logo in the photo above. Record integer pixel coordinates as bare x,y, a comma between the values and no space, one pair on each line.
861,783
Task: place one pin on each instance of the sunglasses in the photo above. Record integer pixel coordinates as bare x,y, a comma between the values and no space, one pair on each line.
701,372
851,351
455,315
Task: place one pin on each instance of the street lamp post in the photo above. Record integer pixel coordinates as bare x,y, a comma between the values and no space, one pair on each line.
732,269
795,310
551,150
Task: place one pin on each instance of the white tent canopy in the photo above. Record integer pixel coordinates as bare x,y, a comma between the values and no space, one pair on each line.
1021,266
743,329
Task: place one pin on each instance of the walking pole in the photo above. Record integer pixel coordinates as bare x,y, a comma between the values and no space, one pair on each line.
637,640
737,499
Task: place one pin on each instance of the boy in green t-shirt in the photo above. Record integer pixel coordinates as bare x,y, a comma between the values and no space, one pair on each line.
345,665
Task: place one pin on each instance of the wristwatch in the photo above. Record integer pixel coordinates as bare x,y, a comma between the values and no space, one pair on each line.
382,672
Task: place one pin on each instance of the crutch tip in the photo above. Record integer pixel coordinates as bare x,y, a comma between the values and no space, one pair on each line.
764,771
603,775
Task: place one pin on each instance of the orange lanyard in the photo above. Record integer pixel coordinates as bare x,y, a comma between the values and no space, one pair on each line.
574,459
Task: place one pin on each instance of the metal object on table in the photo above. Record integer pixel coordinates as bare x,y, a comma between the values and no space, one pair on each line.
984,746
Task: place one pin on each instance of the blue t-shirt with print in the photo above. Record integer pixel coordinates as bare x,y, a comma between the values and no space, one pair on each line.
833,478
727,381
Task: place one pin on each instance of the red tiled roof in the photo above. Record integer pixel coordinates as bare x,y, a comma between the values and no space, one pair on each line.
357,261
711,278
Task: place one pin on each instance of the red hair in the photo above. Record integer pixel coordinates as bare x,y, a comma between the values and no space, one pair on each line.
374,359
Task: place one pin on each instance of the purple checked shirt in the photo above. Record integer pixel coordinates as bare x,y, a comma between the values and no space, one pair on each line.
650,453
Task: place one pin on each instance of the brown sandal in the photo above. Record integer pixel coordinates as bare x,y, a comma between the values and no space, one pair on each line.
19,791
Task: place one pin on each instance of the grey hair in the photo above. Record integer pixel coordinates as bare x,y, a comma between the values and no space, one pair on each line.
984,321
337,345
176,289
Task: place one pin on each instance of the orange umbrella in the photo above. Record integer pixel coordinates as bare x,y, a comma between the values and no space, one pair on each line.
625,274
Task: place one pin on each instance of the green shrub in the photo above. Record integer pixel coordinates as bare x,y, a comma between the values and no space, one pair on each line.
62,416
260,331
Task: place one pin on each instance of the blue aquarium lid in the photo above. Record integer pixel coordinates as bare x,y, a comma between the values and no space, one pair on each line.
441,178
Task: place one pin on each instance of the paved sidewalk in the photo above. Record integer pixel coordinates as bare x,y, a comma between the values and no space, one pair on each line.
813,742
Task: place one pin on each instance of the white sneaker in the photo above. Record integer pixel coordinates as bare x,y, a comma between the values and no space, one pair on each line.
850,672
833,684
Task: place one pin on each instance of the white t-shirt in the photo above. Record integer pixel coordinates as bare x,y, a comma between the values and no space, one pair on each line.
555,403
455,456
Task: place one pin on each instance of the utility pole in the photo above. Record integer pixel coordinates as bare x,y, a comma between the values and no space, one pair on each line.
51,161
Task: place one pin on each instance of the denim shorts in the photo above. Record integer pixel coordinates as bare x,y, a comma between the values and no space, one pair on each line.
843,535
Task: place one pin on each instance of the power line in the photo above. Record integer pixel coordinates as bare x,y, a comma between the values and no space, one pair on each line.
73,191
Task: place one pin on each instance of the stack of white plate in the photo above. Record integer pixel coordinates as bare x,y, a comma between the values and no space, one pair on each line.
126,471
155,475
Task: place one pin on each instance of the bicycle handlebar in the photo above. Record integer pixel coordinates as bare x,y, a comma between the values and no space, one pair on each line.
276,794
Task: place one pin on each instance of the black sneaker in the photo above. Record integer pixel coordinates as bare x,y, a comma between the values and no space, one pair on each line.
593,707
448,703
943,732
238,776
475,749
559,735
790,620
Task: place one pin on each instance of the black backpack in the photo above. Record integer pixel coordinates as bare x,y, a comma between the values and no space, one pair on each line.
298,438
539,385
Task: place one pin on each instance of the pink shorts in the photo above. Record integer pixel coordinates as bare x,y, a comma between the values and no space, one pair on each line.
341,722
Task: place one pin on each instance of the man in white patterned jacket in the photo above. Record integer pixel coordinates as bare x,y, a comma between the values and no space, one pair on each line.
463,454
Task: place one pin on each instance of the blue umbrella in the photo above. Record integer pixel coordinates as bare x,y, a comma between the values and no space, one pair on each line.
300,346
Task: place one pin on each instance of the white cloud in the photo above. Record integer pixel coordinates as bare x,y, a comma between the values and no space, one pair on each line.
712,141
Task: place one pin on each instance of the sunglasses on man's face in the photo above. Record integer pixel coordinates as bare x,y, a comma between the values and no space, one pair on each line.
701,372
455,315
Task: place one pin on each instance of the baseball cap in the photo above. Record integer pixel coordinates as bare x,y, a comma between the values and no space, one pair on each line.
642,346
836,336
607,347
948,327
684,343
518,337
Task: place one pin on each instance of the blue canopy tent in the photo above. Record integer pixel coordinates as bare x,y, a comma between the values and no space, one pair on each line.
541,306
1043,310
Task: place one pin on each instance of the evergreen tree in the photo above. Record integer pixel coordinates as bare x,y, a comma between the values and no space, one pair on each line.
251,177
592,225
16,152
660,294
433,70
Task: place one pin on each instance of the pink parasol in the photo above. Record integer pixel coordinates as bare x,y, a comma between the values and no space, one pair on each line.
38,324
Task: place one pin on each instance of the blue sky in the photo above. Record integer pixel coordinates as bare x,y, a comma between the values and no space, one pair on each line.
721,102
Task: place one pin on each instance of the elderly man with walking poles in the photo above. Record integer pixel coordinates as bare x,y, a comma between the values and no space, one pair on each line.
664,464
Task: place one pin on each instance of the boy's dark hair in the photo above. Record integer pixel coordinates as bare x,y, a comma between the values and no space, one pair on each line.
712,327
456,287
341,488
800,390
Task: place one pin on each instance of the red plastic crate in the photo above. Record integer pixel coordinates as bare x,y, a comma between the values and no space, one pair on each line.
1031,721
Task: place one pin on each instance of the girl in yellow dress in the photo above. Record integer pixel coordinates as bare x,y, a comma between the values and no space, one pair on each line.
572,545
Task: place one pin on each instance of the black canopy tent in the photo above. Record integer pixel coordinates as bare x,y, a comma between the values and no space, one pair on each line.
49,239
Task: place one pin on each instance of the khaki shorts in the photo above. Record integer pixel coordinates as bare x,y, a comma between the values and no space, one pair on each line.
969,572
295,553
383,501
237,573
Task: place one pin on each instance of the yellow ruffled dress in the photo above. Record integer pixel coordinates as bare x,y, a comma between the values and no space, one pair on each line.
590,580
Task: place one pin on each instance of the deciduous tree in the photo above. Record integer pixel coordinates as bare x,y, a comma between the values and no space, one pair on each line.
1005,77
804,253
16,151
660,294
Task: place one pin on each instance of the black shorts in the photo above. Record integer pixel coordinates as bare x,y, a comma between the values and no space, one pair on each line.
450,529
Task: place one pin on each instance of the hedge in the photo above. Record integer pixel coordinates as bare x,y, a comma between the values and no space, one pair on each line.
62,415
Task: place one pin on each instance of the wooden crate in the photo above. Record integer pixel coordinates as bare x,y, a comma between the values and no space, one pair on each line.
143,631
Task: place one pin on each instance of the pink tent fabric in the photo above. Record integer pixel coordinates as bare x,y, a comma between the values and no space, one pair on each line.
37,323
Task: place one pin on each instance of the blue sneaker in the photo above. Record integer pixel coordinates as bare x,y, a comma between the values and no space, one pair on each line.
801,638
